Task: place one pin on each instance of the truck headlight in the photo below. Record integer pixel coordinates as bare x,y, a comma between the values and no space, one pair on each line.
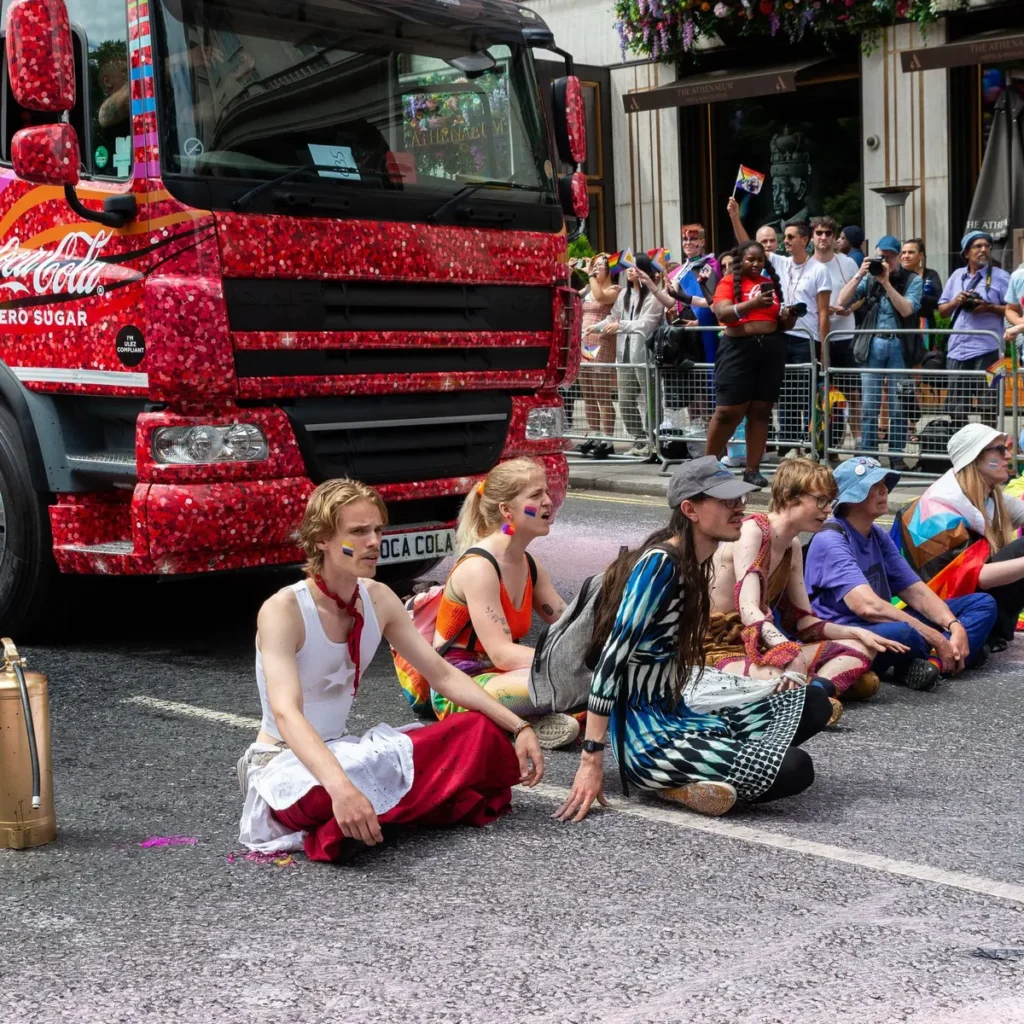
544,423
191,446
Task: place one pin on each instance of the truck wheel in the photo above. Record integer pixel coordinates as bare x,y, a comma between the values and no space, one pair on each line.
27,569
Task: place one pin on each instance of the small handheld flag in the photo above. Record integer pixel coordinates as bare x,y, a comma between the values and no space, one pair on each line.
626,258
1000,369
613,263
591,349
658,259
749,180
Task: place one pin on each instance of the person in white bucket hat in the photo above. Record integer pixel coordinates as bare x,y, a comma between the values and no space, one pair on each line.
960,536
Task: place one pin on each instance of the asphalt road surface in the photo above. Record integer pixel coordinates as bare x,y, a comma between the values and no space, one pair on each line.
863,900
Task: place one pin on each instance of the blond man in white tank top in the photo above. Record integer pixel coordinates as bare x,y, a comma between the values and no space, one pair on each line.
307,783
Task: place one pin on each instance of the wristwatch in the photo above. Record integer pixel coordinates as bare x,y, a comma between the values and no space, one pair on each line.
592,747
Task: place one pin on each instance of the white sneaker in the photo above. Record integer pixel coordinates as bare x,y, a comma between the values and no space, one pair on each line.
556,730
639,450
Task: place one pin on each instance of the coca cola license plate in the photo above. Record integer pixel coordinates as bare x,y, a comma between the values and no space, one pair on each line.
417,545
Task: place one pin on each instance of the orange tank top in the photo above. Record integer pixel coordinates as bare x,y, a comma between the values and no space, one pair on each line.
453,617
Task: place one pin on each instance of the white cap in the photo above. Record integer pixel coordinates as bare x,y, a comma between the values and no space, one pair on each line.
969,442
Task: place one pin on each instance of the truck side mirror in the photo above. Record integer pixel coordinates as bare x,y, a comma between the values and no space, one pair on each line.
46,155
573,195
40,55
570,121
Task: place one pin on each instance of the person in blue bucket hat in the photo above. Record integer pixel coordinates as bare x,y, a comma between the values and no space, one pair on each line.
854,570
891,301
975,299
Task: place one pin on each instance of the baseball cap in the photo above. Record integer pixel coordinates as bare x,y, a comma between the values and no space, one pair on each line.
969,442
858,475
971,237
889,243
854,235
705,475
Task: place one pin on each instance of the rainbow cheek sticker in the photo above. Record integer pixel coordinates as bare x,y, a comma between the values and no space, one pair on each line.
530,511
347,549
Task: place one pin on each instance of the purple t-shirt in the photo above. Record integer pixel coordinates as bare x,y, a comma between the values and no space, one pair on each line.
839,560
969,346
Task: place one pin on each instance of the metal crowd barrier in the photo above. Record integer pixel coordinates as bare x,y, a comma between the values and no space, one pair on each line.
688,402
924,407
616,403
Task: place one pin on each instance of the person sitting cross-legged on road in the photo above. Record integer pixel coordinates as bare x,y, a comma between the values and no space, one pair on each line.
649,628
961,534
307,782
760,579
490,598
853,571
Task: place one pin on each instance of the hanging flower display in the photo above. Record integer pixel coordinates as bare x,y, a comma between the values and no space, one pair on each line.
668,29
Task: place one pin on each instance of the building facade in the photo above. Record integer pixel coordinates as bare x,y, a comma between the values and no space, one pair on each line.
827,128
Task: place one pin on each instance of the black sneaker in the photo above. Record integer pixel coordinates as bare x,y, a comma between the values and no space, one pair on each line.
898,465
922,675
751,476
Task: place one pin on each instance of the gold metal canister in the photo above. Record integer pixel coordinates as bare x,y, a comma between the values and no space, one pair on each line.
21,824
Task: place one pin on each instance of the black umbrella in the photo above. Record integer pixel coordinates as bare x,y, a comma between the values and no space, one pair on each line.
998,205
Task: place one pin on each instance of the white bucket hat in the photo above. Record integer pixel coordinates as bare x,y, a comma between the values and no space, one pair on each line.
969,442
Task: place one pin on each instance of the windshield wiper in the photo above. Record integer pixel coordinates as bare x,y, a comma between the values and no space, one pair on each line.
246,198
474,186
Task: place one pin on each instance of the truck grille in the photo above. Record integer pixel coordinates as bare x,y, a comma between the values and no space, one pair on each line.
400,438
276,305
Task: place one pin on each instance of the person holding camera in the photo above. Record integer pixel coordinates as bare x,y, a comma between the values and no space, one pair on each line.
892,301
975,299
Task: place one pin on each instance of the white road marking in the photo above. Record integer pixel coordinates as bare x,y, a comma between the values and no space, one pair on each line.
191,711
695,823
760,837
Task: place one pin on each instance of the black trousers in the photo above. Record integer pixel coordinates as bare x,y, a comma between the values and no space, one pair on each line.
1010,597
965,390
797,770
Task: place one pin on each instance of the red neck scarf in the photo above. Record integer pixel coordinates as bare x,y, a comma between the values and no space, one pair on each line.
355,633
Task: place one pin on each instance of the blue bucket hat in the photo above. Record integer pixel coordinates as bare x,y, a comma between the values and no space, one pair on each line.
889,243
973,236
858,475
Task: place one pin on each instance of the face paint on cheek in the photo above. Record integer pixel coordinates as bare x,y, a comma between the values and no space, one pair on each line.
347,549
994,465
530,510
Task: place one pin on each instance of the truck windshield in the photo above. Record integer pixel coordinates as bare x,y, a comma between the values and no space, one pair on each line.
353,102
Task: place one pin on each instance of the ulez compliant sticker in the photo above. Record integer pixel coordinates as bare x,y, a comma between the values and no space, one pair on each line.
411,547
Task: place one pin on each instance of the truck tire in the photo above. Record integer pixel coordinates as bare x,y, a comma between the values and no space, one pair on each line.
27,568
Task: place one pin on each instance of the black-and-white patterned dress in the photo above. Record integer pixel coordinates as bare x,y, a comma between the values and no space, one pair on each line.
665,744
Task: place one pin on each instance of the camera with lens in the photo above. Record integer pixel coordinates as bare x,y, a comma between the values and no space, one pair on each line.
972,301
875,266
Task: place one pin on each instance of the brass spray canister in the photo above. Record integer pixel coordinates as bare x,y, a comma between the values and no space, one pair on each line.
26,759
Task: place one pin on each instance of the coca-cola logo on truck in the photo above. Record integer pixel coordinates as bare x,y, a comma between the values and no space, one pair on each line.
61,271
29,278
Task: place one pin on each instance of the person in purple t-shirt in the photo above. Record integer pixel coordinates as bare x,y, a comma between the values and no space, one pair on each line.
975,297
853,570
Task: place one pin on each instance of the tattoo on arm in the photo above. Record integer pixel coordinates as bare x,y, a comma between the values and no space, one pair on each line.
548,610
498,619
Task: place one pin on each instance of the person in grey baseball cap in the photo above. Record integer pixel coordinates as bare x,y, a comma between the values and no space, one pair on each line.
649,629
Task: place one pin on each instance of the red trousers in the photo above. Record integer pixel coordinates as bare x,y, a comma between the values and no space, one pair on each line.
463,772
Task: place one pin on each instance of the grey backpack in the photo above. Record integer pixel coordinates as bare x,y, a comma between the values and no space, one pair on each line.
562,662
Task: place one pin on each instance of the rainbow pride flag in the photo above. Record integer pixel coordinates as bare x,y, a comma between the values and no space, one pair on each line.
659,257
998,370
749,180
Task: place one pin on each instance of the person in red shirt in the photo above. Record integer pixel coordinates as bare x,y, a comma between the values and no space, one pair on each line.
751,359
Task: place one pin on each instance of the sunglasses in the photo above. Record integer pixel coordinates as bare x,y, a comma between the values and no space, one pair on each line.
824,503
823,234
1004,450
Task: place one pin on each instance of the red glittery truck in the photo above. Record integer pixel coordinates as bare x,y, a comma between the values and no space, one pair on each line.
249,245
